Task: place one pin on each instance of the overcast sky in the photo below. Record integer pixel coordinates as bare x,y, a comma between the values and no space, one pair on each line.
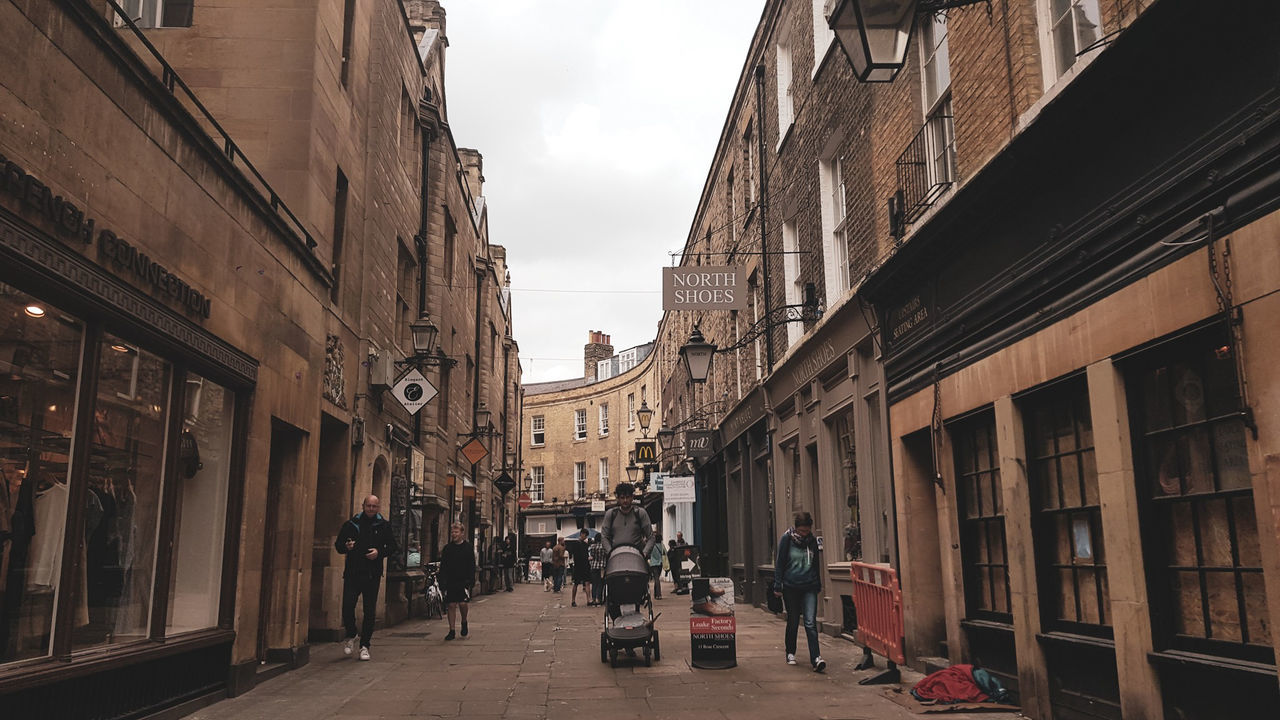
597,120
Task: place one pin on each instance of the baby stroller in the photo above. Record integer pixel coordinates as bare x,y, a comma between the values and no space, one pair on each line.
628,615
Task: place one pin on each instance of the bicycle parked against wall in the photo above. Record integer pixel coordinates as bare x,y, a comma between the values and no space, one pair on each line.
435,598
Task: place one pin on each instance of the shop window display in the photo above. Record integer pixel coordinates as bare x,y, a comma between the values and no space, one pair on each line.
849,468
204,466
40,349
122,505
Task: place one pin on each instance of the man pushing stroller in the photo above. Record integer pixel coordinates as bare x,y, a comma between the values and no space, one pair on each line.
625,524
627,537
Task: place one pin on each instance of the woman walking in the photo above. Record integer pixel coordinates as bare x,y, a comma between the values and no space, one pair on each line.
797,582
458,571
655,565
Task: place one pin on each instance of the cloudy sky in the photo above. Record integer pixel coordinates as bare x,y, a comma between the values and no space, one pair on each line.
597,120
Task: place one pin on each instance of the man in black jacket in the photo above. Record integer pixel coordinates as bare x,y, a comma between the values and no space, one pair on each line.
458,576
365,539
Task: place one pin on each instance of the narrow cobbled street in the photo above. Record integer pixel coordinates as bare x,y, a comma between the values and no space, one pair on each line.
530,655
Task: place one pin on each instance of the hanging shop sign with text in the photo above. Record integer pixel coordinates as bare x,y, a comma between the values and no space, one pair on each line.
704,287
700,444
679,489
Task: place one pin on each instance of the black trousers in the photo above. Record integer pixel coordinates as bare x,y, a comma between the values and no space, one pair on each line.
352,589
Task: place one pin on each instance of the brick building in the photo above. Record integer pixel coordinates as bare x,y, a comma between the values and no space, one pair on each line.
579,438
1036,380
246,207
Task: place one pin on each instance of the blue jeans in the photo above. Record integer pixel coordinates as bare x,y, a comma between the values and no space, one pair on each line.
597,586
802,602
557,581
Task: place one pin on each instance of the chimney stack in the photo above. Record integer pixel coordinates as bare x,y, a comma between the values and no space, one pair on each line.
596,349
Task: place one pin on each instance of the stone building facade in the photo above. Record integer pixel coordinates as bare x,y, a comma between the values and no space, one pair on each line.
1035,380
234,211
579,437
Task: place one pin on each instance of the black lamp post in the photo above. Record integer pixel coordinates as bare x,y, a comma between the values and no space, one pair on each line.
875,34
697,355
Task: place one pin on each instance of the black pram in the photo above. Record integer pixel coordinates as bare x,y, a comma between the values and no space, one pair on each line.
628,616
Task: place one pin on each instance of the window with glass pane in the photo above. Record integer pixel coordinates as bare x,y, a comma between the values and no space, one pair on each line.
604,474
538,429
579,480
112,603
982,542
1191,444
1074,25
203,475
536,488
40,348
604,418
1067,522
159,13
937,59
849,469
579,424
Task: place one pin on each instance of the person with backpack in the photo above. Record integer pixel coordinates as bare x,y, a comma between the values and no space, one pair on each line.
797,581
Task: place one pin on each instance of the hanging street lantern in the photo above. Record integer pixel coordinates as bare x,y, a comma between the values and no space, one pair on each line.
697,355
665,436
644,416
424,335
875,34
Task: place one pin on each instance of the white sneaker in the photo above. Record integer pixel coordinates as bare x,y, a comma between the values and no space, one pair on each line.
364,654
349,647
791,659
819,665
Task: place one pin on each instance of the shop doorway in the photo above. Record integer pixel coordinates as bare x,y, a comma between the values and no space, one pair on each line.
920,559
274,626
333,507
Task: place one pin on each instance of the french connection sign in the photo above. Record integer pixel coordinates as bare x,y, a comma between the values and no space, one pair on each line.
704,287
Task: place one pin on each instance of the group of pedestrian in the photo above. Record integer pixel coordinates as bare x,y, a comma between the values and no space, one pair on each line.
366,539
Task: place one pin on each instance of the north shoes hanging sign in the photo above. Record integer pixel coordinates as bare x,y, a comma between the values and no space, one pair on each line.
704,287
71,222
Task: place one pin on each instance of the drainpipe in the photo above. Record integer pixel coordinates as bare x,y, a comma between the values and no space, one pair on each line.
764,211
475,395
420,240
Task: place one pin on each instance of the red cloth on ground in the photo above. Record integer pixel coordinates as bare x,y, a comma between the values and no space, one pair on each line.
951,685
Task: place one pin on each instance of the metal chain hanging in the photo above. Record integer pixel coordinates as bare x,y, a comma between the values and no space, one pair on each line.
1220,277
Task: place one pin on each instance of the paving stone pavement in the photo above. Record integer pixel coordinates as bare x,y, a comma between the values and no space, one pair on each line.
531,656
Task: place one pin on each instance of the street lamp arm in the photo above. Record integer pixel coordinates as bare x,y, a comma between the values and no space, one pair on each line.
930,7
426,361
700,415
781,315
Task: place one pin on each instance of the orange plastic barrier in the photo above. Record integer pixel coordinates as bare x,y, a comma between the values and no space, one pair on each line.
877,598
